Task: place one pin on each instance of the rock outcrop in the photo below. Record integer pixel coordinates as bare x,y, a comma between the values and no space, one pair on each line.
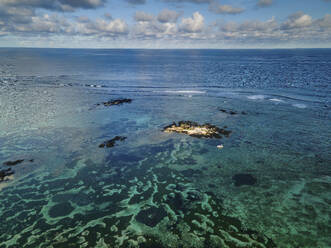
196,130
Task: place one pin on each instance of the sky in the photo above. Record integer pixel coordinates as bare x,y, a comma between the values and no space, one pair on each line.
165,23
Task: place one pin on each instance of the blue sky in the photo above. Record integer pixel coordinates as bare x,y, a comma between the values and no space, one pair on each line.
165,23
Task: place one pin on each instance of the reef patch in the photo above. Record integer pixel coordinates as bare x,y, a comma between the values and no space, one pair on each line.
16,162
115,102
151,216
232,112
244,179
13,163
4,174
196,130
61,209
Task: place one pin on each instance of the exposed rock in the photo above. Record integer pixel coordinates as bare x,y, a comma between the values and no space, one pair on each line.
13,163
116,102
195,130
244,179
112,142
5,173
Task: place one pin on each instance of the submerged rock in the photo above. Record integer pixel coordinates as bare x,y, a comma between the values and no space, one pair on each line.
12,163
231,112
5,173
116,102
61,209
228,111
112,142
244,179
151,216
196,130
190,173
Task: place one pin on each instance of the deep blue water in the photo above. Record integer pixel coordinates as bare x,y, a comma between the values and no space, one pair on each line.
157,189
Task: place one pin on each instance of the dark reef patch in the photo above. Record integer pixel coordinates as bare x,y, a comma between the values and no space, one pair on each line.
5,173
176,201
151,216
151,242
115,102
231,112
13,163
244,179
16,162
190,173
61,209
112,142
187,161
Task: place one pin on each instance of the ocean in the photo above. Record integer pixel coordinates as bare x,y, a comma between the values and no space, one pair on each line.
78,169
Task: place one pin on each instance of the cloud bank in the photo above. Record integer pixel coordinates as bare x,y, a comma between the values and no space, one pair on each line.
23,20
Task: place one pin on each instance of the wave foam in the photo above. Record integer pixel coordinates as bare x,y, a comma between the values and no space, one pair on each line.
185,91
276,100
300,105
256,97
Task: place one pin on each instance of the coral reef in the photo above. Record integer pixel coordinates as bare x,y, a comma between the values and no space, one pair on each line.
123,204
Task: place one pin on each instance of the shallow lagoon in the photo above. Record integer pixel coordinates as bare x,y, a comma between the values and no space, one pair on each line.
157,189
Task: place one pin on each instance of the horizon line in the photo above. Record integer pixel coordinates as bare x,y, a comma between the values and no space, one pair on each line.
139,48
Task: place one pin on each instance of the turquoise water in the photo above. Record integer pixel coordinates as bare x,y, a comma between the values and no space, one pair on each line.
157,189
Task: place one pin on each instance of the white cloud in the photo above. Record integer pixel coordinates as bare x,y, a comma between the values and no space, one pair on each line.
248,30
297,20
58,5
113,27
148,27
298,27
192,24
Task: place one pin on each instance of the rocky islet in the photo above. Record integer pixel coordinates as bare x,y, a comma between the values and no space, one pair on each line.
196,130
